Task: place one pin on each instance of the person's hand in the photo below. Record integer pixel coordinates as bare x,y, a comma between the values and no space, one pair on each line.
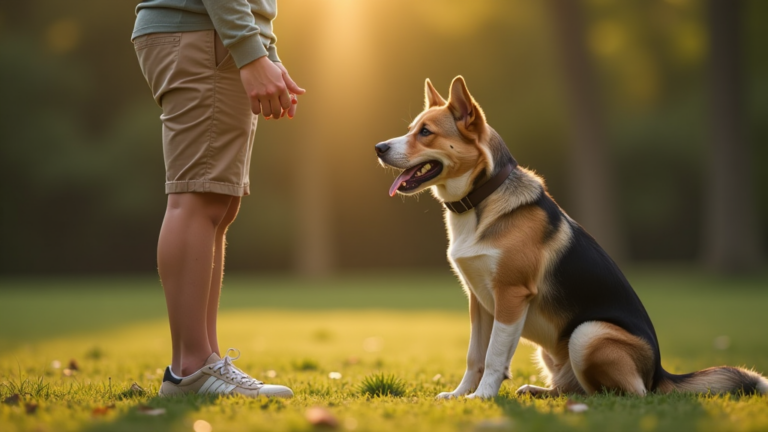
293,89
267,85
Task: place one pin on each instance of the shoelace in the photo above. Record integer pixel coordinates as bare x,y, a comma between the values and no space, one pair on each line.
226,369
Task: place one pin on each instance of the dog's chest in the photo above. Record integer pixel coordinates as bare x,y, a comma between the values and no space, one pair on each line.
474,260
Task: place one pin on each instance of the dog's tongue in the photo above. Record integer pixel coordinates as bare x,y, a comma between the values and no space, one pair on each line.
401,178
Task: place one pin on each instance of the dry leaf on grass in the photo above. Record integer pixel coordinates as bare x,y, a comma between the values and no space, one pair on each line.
575,406
318,416
13,399
73,365
148,410
102,410
136,388
30,407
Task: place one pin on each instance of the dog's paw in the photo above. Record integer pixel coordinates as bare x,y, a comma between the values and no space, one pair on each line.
532,390
446,396
480,395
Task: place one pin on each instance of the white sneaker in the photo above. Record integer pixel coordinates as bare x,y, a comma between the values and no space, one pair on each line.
220,376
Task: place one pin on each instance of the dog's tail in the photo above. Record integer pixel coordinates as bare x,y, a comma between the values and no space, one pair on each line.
723,379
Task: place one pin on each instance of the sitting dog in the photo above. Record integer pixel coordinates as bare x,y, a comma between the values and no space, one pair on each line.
531,271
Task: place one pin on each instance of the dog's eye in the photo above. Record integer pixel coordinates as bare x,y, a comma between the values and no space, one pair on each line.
425,132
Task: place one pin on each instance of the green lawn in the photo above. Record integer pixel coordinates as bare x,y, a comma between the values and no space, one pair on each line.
296,332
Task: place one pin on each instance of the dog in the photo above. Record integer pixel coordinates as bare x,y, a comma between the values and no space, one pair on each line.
529,270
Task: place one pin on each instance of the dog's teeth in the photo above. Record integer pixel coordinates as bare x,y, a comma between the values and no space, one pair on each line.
426,167
402,184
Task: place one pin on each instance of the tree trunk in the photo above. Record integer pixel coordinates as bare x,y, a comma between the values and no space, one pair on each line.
592,195
731,235
315,253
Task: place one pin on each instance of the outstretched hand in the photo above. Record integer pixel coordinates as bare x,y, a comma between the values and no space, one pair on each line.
270,88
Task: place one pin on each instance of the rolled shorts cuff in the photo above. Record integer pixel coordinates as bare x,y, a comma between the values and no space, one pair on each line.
207,186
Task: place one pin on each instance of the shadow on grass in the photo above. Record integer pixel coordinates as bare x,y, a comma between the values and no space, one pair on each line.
609,413
157,413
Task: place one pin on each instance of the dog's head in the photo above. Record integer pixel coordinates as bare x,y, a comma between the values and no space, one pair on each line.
449,146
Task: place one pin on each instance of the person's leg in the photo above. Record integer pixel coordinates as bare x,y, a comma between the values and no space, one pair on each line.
220,244
185,257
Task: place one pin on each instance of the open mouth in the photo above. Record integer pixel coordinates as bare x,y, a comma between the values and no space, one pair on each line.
414,177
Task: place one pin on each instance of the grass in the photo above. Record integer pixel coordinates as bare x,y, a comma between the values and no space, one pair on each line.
373,350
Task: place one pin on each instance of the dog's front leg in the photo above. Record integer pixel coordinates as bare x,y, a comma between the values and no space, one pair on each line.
482,323
509,320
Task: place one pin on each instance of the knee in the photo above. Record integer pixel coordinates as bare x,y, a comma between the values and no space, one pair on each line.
230,214
212,207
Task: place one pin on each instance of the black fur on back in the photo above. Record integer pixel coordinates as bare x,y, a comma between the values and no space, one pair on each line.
589,286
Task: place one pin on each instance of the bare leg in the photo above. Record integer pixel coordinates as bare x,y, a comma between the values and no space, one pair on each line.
218,273
185,254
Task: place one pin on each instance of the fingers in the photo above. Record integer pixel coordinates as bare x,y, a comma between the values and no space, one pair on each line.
294,104
255,106
270,108
291,85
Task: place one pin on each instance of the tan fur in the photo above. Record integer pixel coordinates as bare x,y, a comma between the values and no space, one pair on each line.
521,247
481,322
462,156
431,96
606,356
511,302
520,263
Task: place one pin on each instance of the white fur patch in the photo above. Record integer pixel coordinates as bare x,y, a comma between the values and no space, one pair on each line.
581,337
504,340
762,385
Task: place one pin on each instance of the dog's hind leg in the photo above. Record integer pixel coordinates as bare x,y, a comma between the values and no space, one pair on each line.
606,357
480,335
548,370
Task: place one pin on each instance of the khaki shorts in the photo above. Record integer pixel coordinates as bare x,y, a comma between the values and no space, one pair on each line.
208,126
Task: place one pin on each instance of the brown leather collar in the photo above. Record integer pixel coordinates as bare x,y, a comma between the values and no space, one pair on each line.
476,196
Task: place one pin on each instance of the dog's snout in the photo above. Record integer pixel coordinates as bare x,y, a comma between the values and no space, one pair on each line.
381,148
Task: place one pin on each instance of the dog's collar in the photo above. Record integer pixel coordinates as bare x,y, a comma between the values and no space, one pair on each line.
477,195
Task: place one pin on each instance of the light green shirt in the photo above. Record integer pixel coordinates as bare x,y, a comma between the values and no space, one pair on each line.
245,26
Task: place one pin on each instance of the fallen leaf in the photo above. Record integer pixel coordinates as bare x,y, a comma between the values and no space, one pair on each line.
318,416
436,378
102,410
30,407
73,365
67,372
334,375
148,410
13,399
136,388
574,406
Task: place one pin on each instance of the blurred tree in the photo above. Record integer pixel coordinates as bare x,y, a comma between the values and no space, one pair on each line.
593,201
315,248
731,237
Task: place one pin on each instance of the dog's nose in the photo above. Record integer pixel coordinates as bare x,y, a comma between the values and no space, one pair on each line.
382,148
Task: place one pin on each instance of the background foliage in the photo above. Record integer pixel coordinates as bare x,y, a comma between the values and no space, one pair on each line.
82,176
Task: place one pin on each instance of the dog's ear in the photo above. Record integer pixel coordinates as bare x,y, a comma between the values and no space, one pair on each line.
431,97
464,108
